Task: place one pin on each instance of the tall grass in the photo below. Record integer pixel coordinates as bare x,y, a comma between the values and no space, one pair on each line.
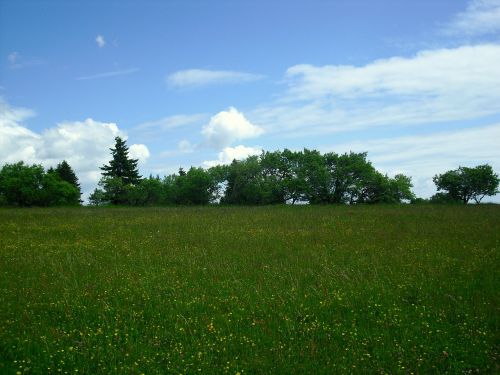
396,289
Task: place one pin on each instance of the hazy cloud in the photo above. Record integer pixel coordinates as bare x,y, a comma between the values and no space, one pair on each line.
481,17
201,77
109,74
170,122
13,57
100,41
17,61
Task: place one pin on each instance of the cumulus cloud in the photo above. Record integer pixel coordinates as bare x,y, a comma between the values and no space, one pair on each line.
423,156
202,77
16,142
432,86
83,144
228,154
139,151
227,127
100,41
481,17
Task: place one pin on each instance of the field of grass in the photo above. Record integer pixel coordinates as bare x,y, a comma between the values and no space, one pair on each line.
403,289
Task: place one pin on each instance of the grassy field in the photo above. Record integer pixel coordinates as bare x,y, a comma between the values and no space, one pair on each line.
405,289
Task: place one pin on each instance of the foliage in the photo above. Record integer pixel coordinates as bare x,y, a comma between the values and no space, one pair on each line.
194,187
121,175
444,198
21,185
30,185
309,176
98,198
255,290
58,192
66,173
466,183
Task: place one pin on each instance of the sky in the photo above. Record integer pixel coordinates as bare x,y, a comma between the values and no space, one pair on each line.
416,84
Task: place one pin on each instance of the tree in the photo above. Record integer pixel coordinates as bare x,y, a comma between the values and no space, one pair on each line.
25,185
58,192
21,184
464,184
245,182
121,166
97,198
66,173
120,175
193,187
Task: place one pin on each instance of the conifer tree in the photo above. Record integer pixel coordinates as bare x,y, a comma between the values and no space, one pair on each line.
121,166
66,173
121,175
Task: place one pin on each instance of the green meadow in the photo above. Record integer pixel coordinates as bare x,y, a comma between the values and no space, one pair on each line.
250,290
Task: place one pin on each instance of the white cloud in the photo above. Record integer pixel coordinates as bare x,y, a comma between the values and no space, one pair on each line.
436,72
423,156
109,74
201,77
139,151
16,142
228,154
227,127
432,86
481,17
100,41
83,144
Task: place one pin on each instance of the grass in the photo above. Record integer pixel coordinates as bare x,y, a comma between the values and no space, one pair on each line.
397,289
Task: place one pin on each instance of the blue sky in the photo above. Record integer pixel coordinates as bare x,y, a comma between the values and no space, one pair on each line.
414,83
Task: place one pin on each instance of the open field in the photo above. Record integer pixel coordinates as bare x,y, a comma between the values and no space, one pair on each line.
397,289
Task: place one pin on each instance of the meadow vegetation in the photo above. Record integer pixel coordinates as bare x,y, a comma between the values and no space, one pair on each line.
277,289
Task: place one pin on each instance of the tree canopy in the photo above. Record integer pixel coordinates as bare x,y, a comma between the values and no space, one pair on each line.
119,176
29,185
121,165
278,177
464,184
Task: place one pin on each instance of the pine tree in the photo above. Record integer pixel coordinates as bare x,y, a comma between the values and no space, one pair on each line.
121,166
66,173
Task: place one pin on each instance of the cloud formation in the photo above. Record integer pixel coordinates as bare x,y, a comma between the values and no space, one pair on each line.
481,17
227,127
100,41
228,154
202,77
432,86
83,144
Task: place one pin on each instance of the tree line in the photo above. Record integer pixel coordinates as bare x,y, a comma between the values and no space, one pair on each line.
279,177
